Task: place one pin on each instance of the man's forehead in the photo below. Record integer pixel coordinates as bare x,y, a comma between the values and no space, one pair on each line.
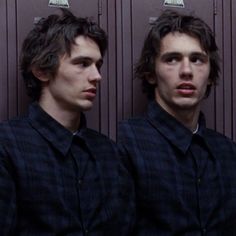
85,47
179,42
85,41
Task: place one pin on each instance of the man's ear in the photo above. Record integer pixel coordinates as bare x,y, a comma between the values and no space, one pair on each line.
151,79
41,75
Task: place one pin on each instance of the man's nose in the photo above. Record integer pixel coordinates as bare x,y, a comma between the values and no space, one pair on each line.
186,68
95,74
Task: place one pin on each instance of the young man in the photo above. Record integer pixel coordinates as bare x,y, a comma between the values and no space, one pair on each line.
58,177
184,173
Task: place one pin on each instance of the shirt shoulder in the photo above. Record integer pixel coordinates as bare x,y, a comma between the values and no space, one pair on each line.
18,137
220,143
138,137
136,128
216,137
133,121
99,143
96,136
15,126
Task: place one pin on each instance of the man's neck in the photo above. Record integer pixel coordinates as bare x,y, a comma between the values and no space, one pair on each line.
188,119
186,116
67,118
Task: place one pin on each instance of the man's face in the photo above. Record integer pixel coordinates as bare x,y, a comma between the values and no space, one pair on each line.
75,85
182,73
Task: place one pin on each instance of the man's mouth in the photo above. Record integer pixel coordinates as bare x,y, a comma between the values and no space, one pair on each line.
90,93
186,89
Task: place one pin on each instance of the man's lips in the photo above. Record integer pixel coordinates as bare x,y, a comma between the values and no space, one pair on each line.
186,89
91,93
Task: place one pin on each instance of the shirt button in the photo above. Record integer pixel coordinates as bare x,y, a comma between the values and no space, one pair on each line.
199,180
80,181
204,231
86,231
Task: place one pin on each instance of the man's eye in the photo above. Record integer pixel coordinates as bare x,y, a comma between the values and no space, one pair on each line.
196,60
171,60
199,59
84,64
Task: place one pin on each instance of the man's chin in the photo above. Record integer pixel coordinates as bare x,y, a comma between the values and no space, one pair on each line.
86,107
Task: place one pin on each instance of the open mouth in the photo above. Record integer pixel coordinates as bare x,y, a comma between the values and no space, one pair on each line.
186,89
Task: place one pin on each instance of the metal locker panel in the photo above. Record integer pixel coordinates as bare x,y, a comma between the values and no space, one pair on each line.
3,60
233,76
225,91
108,86
219,101
124,58
226,96
12,66
233,10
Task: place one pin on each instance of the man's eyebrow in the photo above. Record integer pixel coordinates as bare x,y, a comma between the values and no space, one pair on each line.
170,54
201,54
85,58
81,58
179,54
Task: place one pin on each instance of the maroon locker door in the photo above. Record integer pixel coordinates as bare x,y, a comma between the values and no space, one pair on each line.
225,91
233,51
3,60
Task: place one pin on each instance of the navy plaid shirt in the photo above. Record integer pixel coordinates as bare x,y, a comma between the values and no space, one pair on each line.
185,183
55,183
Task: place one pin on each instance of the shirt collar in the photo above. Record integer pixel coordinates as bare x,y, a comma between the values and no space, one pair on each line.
171,128
51,130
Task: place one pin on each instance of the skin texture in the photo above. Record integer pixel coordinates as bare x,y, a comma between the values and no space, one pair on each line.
182,75
74,87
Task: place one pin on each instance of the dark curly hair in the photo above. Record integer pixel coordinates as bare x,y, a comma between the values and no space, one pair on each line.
48,40
172,21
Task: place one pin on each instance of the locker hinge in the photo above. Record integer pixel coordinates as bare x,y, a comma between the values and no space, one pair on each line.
99,7
215,7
